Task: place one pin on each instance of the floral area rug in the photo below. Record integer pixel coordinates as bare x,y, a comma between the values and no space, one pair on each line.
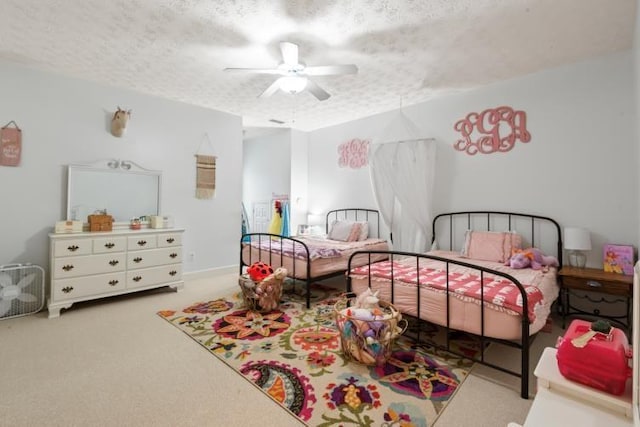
293,355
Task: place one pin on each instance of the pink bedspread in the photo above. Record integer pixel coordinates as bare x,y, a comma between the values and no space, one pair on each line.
319,247
497,291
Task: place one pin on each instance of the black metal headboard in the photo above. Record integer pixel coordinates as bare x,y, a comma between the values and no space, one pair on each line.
372,216
533,228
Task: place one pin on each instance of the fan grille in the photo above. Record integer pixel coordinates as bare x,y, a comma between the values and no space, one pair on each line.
21,290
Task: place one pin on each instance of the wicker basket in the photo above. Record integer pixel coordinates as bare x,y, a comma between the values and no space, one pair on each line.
368,341
249,296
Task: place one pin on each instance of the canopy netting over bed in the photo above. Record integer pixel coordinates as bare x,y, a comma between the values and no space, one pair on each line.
402,167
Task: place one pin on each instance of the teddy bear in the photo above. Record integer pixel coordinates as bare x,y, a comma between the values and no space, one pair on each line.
531,257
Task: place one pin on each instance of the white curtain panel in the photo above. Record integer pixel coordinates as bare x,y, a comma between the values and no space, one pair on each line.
402,176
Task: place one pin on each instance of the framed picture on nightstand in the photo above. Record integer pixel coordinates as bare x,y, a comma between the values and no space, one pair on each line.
618,259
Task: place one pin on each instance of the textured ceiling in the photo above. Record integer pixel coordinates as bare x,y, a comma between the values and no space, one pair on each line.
406,51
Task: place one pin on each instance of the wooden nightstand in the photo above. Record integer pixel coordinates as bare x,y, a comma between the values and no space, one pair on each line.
618,287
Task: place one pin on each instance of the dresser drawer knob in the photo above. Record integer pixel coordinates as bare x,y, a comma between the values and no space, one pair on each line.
109,245
137,279
173,255
137,259
142,242
114,262
67,289
67,267
171,240
73,248
173,273
594,284
113,282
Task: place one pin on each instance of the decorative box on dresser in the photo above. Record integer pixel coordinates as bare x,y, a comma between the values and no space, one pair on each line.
90,265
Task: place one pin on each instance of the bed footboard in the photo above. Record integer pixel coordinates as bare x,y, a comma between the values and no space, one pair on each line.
398,283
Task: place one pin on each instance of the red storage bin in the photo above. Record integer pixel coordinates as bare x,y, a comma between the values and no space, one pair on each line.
603,363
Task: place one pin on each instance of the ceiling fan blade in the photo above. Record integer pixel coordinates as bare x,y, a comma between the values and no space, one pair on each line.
289,53
328,70
255,70
270,90
317,91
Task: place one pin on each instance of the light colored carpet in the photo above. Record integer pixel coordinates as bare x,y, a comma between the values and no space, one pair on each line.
114,362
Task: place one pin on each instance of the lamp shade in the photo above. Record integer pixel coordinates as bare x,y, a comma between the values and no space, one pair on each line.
577,239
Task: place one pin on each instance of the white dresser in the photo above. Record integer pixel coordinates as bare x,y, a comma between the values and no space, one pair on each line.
88,265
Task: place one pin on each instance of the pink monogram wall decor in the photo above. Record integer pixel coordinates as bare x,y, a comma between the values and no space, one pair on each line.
353,154
498,129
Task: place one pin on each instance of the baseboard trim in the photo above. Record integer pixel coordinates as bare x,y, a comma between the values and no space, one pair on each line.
210,272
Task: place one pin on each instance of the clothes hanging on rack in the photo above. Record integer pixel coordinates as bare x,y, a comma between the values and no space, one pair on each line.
285,219
275,227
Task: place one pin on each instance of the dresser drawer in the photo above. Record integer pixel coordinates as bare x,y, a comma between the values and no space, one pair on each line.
169,239
71,247
142,241
151,276
95,264
603,286
109,244
87,286
153,257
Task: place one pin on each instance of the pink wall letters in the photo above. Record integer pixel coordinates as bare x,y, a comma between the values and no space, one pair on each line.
498,129
353,154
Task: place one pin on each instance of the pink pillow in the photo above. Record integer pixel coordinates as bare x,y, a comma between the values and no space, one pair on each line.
490,245
355,232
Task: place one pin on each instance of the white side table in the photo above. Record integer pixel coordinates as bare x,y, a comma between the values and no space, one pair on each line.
560,402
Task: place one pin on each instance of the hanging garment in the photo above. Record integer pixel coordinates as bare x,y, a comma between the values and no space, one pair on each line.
285,220
275,227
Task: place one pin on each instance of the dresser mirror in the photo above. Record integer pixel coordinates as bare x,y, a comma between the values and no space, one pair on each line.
122,188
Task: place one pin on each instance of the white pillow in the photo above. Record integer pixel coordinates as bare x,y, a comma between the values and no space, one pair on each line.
340,230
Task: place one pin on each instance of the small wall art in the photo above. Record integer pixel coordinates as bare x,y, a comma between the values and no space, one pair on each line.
496,130
119,122
10,144
353,154
618,259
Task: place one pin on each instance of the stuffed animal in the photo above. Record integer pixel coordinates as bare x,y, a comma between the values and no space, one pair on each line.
531,257
367,299
259,270
269,290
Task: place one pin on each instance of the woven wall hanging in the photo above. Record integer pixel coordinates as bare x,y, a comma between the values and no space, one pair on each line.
205,170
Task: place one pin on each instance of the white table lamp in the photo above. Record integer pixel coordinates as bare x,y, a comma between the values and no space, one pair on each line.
576,241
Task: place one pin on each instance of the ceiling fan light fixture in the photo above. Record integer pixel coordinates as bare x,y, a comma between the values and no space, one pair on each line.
293,84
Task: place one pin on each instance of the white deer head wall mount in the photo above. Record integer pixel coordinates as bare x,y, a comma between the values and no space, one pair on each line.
119,122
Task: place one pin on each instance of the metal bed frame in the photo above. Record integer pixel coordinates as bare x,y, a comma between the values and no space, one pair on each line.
276,243
523,344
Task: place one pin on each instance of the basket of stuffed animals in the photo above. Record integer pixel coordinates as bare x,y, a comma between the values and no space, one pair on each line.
262,287
368,330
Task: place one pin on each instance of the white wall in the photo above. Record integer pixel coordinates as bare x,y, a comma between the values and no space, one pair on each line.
266,168
66,121
579,168
299,178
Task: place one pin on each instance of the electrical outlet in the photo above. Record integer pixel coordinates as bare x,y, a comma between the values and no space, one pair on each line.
192,256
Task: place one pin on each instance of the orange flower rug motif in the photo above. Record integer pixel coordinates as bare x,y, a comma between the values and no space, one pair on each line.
293,354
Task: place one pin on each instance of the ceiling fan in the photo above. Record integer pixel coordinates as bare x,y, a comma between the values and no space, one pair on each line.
295,74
